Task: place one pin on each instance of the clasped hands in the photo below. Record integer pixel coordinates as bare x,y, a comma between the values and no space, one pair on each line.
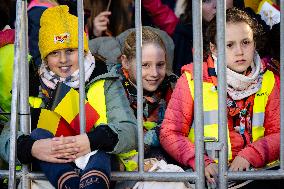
61,149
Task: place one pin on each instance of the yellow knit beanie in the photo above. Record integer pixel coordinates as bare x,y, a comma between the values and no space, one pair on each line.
58,30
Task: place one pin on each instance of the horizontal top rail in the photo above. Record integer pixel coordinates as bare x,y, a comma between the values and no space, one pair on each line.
172,176
149,176
256,175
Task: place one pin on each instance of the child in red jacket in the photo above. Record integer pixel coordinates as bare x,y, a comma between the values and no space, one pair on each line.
252,101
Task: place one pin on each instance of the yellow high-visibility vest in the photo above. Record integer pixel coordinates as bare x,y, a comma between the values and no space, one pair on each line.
210,109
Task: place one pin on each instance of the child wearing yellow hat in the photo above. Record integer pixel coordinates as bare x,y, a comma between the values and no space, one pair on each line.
67,158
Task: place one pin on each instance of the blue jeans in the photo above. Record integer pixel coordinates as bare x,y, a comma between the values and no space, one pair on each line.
62,175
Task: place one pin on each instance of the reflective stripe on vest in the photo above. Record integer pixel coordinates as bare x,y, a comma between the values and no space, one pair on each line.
210,108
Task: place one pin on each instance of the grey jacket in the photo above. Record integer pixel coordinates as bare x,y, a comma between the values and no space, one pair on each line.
119,114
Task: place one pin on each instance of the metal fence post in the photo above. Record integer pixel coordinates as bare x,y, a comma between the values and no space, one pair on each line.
15,95
222,94
24,112
138,30
80,12
198,92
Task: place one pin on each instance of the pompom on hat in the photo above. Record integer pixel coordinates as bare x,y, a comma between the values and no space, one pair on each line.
58,30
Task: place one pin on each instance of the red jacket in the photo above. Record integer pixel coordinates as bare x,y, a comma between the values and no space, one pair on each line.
162,15
179,117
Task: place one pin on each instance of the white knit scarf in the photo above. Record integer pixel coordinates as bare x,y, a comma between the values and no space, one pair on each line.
240,86
50,79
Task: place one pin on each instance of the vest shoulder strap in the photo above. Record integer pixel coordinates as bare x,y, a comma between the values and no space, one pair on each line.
97,99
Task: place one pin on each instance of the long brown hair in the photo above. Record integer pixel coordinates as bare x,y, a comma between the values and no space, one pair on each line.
120,18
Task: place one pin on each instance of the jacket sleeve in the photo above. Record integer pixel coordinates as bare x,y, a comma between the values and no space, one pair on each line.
120,117
162,16
5,142
176,125
267,149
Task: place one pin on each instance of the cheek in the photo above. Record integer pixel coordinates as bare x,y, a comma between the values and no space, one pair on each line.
229,57
163,72
51,65
208,13
75,61
144,73
229,4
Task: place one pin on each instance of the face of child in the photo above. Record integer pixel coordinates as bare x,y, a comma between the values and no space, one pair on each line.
208,9
240,46
229,4
63,62
153,67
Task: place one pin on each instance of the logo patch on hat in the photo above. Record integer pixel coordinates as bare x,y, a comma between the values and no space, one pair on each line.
62,38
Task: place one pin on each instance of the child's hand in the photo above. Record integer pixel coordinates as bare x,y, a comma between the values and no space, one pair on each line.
100,23
45,150
211,171
80,145
66,146
239,164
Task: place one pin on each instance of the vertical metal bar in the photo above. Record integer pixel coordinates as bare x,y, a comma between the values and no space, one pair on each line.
15,95
282,85
198,95
24,73
24,89
222,94
138,30
80,12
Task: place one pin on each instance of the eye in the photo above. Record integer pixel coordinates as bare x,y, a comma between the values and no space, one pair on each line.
229,45
54,53
246,42
70,51
145,65
161,64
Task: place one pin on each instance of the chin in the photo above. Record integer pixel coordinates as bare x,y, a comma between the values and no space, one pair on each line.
240,70
150,89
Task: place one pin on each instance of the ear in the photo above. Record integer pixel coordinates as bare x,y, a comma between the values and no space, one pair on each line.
44,61
124,62
213,49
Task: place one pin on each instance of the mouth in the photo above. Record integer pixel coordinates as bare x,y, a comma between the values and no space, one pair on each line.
153,81
65,69
240,61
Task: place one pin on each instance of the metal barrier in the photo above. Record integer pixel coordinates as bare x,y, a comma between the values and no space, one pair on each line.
20,109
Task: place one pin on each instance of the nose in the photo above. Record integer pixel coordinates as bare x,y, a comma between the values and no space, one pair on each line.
63,58
154,71
239,50
214,7
214,4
